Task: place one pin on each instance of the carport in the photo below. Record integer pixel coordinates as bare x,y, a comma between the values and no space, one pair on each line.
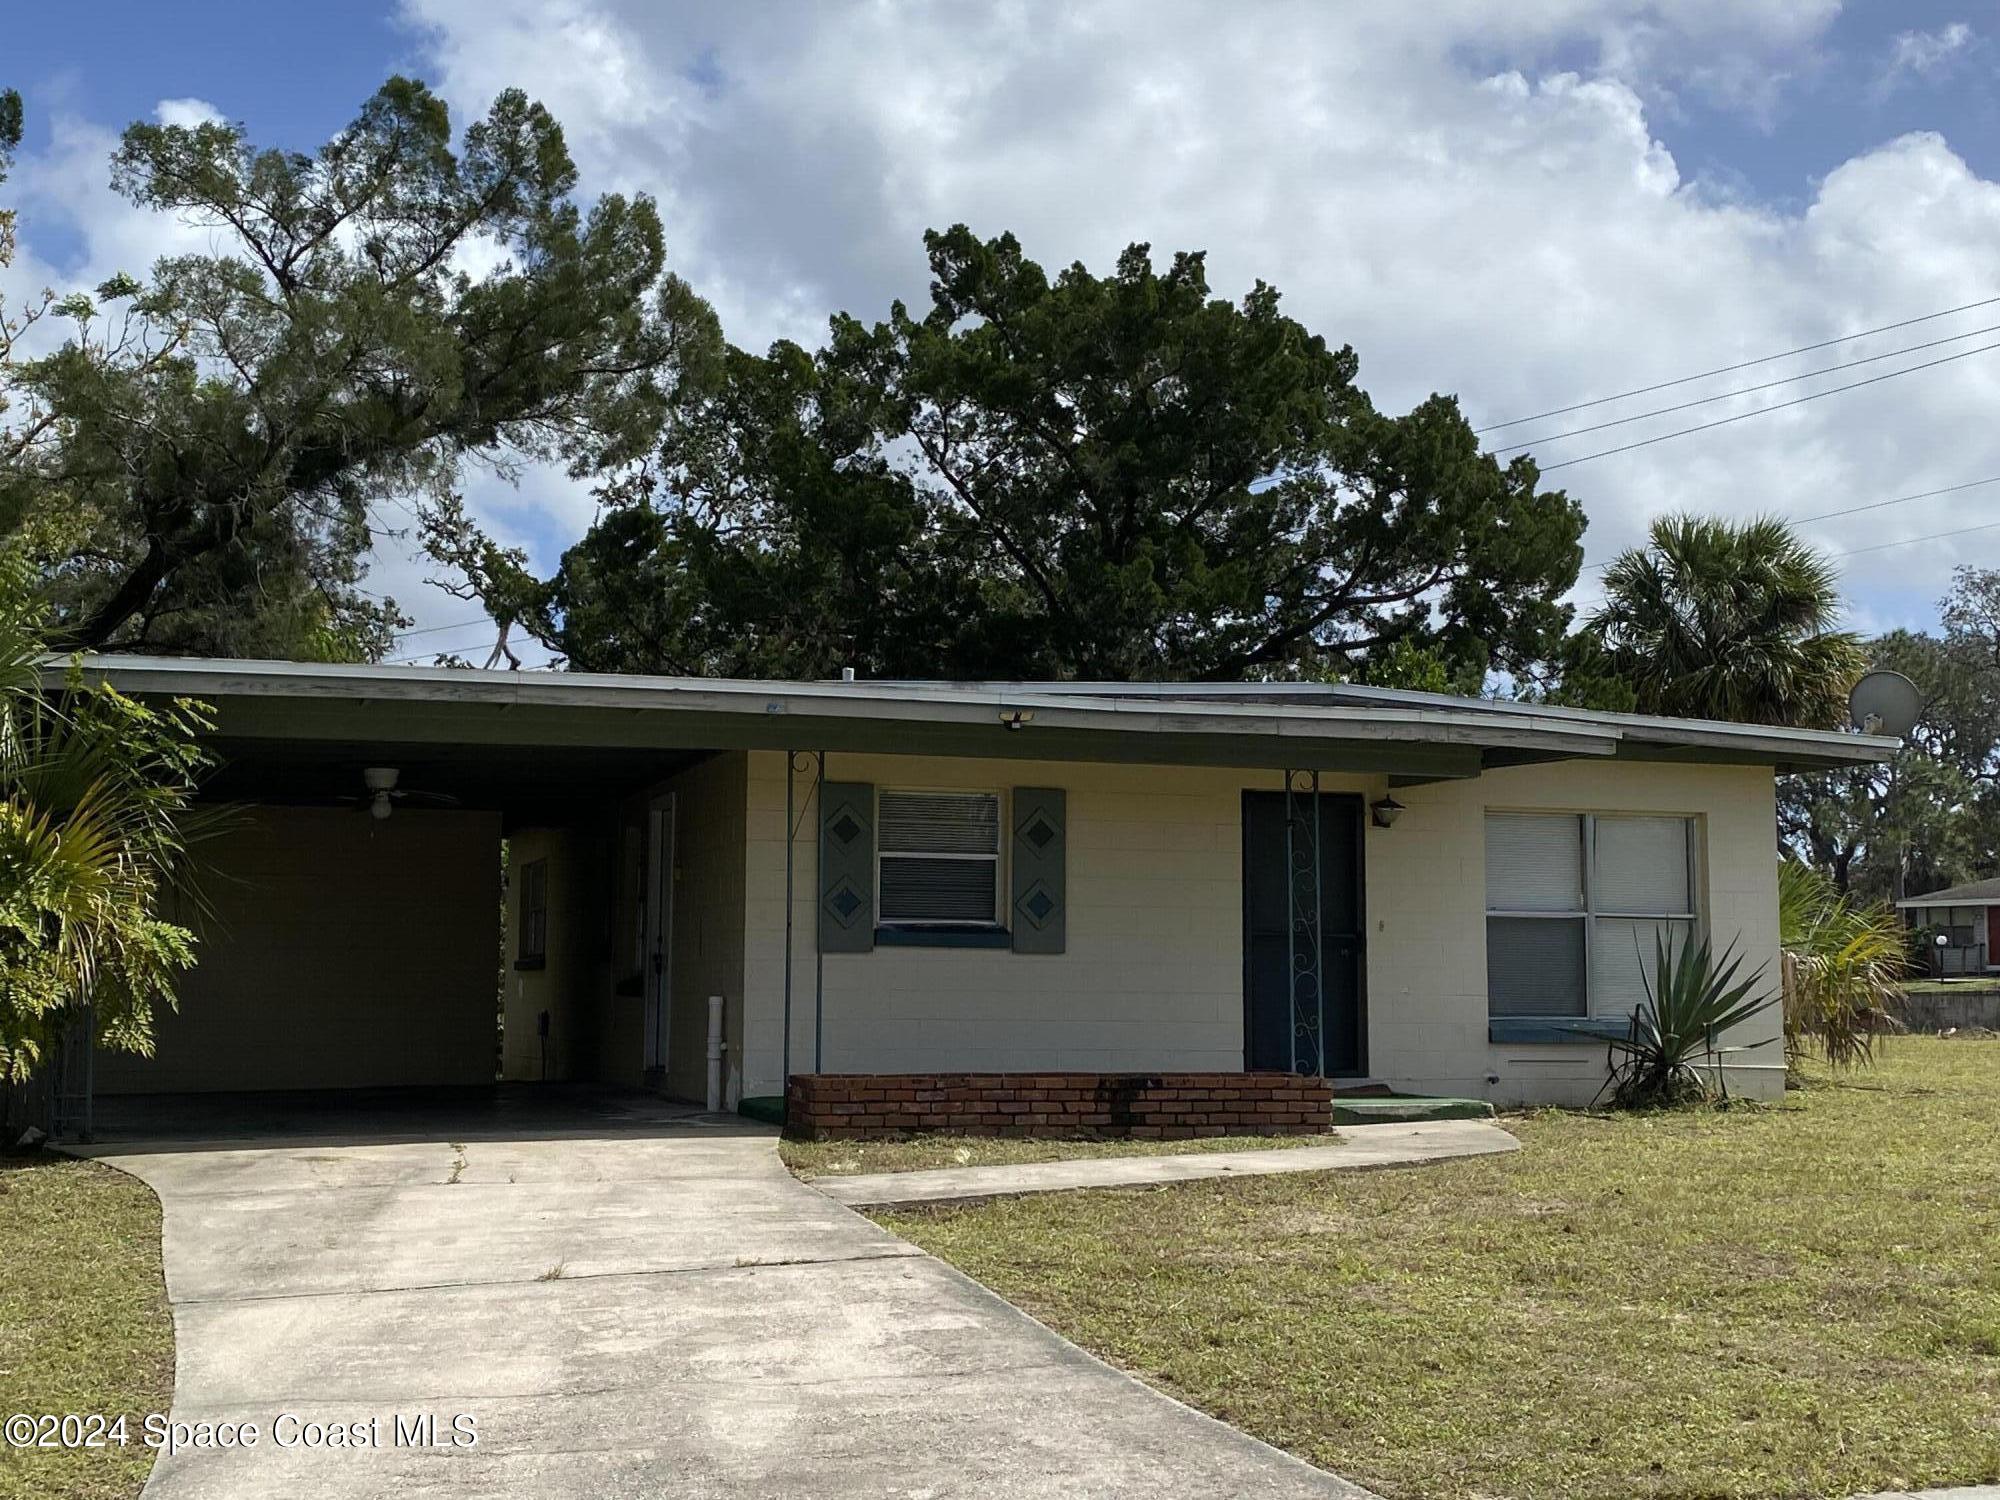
350,940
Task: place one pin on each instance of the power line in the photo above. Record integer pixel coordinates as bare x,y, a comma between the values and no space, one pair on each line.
1911,541
1744,416
434,629
1855,510
1748,390
1647,390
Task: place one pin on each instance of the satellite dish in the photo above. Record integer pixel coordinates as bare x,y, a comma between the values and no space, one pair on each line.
1884,703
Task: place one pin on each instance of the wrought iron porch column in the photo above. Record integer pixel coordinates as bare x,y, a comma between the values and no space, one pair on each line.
1305,952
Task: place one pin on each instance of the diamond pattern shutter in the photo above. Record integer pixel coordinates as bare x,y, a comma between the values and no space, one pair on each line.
847,867
1040,899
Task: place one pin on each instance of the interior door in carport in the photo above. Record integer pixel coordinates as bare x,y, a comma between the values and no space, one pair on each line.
1274,951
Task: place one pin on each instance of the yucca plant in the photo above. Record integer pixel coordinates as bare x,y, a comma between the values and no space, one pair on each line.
1674,1053
1843,965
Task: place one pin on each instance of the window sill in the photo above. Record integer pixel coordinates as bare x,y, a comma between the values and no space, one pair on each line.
1586,1030
943,937
537,961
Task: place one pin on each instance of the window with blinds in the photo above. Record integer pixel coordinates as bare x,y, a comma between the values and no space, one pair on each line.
1575,904
938,858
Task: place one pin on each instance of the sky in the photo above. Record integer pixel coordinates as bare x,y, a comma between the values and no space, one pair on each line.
1530,206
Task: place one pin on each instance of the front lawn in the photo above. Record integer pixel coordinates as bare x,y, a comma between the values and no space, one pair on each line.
84,1323
1791,1301
847,1158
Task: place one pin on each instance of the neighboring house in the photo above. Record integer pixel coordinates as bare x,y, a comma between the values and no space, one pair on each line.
1449,895
1968,918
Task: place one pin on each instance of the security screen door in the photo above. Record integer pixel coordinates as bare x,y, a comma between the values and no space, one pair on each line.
1302,989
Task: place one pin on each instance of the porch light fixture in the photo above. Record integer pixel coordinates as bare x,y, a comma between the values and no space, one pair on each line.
1385,812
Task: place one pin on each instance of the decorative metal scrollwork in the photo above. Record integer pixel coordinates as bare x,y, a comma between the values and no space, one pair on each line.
1305,948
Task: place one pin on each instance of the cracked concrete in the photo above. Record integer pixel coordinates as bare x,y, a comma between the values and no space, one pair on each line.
718,1328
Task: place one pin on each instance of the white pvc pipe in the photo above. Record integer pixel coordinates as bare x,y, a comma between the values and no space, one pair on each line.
715,1047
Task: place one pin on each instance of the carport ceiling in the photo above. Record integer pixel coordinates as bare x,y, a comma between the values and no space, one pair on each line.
529,784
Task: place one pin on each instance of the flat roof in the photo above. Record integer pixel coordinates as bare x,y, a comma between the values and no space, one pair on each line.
1416,736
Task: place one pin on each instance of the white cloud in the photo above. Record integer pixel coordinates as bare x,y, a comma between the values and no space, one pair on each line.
1925,54
186,112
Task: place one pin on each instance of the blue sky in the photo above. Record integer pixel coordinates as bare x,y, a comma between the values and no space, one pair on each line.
1525,205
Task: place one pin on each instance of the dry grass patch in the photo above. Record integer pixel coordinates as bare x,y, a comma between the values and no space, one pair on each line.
84,1322
1792,1301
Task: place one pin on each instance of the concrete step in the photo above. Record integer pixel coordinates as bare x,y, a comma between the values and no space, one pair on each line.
1407,1109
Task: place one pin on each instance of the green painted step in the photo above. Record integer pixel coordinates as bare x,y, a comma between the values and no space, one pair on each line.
1407,1109
767,1109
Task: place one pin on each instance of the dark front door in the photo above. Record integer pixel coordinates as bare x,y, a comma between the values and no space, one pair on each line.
1289,1021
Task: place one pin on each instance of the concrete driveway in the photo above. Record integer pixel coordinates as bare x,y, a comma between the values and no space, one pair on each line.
624,1299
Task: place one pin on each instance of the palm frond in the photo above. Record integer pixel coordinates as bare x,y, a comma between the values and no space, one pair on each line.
1843,965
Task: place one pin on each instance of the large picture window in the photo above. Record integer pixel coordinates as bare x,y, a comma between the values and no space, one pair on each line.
1575,904
938,858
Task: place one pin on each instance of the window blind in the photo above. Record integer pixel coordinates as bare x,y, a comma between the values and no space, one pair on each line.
939,857
939,823
1534,862
1642,867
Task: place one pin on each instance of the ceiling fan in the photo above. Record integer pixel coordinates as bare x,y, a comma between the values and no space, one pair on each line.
383,794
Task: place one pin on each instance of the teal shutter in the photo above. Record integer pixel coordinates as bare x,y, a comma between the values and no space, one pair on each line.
847,867
1040,897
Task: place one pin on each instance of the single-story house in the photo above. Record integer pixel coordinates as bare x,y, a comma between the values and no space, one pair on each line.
1447,895
1968,918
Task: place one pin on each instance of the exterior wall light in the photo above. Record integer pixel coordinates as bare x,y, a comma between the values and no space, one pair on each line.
1385,812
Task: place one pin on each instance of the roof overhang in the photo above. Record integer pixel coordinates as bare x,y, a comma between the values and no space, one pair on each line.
1411,737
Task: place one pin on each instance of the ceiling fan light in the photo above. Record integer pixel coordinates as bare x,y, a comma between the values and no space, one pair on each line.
379,806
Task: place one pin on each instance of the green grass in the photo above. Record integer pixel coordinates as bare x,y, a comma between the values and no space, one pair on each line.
84,1324
810,1159
1786,1301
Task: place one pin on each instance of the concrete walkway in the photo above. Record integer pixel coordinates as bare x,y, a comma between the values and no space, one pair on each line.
626,1301
1353,1146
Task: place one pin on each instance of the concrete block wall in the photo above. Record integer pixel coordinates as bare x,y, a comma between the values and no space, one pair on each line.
1153,976
1426,891
340,952
707,949
709,853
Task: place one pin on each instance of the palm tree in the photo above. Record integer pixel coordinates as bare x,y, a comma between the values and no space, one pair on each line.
1712,619
95,816
1844,960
